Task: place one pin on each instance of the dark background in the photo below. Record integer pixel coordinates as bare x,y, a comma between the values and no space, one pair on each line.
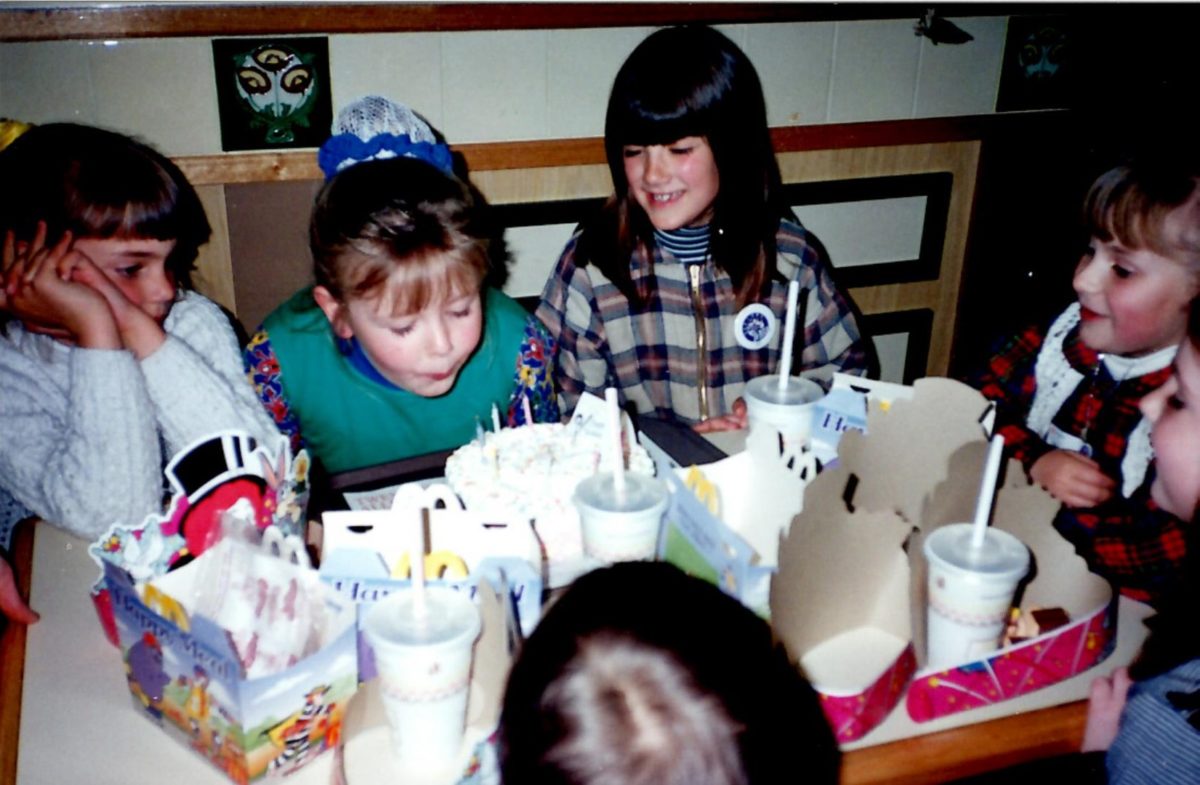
1134,91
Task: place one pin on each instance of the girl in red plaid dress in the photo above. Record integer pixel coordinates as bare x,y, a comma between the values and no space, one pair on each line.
1067,396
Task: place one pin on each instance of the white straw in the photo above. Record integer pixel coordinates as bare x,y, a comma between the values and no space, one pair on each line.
983,508
614,433
420,609
789,334
495,419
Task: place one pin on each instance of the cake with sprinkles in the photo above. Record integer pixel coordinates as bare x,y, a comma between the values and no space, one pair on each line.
531,472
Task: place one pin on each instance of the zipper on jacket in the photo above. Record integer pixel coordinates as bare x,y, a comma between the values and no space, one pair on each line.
701,340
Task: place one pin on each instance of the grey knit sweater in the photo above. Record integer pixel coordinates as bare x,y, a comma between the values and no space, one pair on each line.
80,429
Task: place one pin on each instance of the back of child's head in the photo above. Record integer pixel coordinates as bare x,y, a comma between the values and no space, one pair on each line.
100,184
398,229
1131,204
642,674
693,81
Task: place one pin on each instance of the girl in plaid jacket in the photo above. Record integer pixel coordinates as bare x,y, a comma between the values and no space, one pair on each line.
675,293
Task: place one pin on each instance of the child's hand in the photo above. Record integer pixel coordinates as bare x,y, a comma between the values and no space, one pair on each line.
11,604
140,333
1073,479
1106,701
39,291
734,421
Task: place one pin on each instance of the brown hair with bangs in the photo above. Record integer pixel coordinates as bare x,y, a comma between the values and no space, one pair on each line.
98,183
398,230
1130,204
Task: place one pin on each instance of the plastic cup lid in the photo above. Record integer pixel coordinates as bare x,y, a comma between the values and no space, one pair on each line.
449,616
1000,554
641,493
797,392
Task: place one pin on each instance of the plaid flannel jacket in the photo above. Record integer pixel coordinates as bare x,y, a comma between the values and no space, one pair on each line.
1128,540
651,356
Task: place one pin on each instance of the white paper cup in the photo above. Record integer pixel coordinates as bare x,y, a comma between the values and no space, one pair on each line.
970,592
424,667
787,410
621,529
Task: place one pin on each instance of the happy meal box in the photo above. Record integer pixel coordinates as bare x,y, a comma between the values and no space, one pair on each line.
367,554
848,600
223,480
1058,578
244,656
724,519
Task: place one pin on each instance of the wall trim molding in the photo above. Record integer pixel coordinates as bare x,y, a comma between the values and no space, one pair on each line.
258,167
85,20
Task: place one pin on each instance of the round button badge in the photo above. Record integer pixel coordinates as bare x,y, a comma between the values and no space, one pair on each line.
755,326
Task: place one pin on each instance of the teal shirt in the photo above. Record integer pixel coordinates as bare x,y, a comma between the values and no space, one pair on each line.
350,421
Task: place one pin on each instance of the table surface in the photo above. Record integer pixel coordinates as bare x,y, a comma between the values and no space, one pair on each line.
66,714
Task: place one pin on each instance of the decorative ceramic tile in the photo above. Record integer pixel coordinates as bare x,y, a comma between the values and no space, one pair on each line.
272,93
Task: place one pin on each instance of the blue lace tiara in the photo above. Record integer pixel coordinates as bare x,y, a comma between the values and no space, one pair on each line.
344,150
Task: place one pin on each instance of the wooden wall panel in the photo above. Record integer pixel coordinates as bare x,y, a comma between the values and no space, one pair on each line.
259,255
213,276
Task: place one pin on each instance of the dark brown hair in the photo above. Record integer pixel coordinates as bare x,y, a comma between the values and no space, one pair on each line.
97,183
397,227
692,81
642,675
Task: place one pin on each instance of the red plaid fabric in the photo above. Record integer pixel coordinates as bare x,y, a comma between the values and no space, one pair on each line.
1130,541
1102,411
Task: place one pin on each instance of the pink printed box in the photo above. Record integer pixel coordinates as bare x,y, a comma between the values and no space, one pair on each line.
848,599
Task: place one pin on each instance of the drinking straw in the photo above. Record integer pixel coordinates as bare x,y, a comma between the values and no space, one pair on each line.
495,419
983,508
526,410
614,433
789,334
420,609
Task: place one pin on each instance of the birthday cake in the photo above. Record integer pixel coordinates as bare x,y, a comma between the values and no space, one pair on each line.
531,472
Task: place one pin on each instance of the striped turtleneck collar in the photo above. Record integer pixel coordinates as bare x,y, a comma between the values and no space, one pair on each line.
688,244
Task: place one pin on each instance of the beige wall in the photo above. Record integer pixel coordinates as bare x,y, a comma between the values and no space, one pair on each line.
510,84
495,86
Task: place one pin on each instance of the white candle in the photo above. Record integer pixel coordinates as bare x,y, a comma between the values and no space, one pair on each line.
495,419
526,410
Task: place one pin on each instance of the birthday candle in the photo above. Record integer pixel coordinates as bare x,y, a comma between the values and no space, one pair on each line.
495,419
526,410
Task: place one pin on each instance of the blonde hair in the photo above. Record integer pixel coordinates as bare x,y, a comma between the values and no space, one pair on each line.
634,715
399,231
1130,204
